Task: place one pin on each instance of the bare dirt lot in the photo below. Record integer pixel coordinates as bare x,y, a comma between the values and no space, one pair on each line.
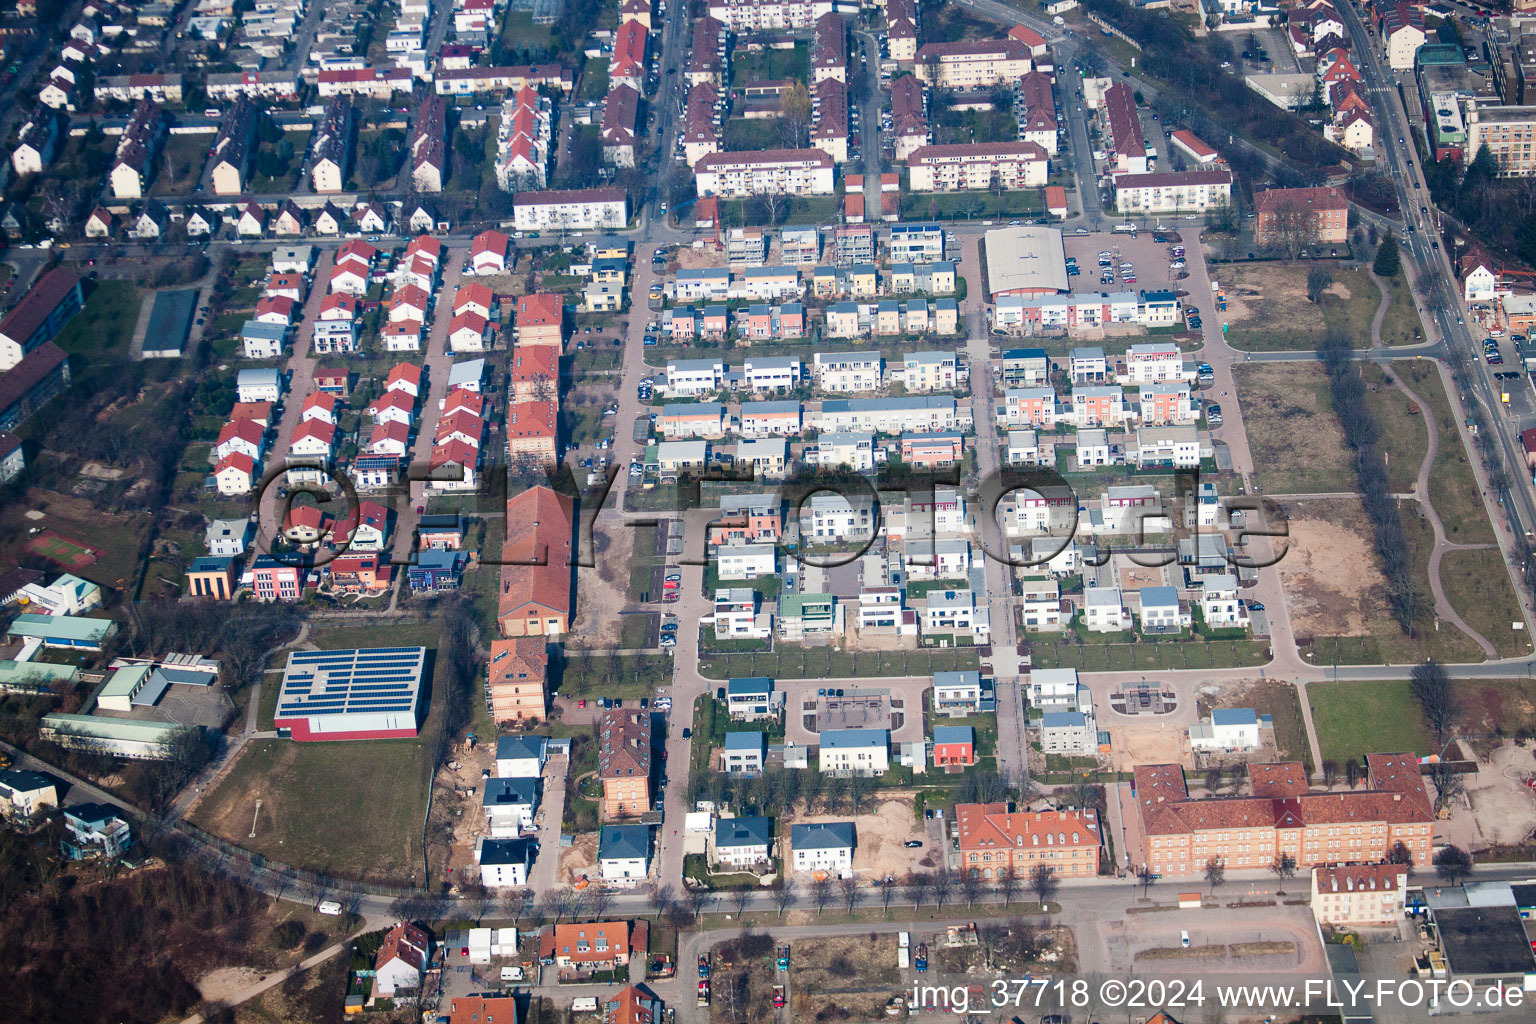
1265,293
852,975
879,836
1332,584
1148,743
580,858
1503,809
1295,438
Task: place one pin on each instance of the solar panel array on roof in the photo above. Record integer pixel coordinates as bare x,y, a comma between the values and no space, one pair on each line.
351,694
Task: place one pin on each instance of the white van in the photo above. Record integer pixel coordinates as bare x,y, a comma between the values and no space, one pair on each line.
1184,939
330,908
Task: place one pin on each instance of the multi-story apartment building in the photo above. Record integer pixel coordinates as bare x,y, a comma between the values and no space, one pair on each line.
1174,192
978,165
1282,816
784,172
1031,407
743,16
1301,216
902,415
994,840
571,209
706,62
624,763
1122,130
931,371
516,679
829,49
1153,363
522,141
1034,107
917,243
1352,896
1509,133
972,63
1166,403
847,372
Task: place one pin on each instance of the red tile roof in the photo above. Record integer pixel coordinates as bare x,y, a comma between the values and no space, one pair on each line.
38,304
536,557
991,826
541,309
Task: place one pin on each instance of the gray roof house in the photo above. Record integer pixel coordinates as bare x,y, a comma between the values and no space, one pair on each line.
743,842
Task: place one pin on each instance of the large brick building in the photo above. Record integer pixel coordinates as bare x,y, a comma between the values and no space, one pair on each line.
536,567
1306,216
1283,816
517,673
992,840
624,763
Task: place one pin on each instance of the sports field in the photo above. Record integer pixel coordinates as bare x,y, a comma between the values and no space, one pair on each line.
62,551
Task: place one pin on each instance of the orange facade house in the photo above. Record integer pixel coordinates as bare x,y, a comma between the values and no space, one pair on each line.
1283,816
518,674
536,570
624,763
992,840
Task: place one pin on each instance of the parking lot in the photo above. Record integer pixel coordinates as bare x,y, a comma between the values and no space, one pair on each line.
1148,258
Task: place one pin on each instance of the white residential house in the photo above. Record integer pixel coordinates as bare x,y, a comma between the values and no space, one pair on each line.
503,862
1054,689
1480,284
743,843
1104,610
951,612
259,385
944,559
624,853
521,757
1160,611
744,753
830,518
855,751
1220,605
509,805
1040,605
958,694
771,373
1071,733
825,847
1228,729
745,561
847,372
694,376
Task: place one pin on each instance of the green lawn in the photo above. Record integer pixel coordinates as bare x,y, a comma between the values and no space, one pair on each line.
768,65
1404,436
796,210
103,329
743,133
970,205
1452,486
1401,325
518,32
791,662
351,809
1478,587
594,81
1149,656
1276,314
1354,719
180,165
627,678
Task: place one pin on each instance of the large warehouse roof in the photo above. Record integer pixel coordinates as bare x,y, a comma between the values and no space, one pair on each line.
1025,261
352,691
